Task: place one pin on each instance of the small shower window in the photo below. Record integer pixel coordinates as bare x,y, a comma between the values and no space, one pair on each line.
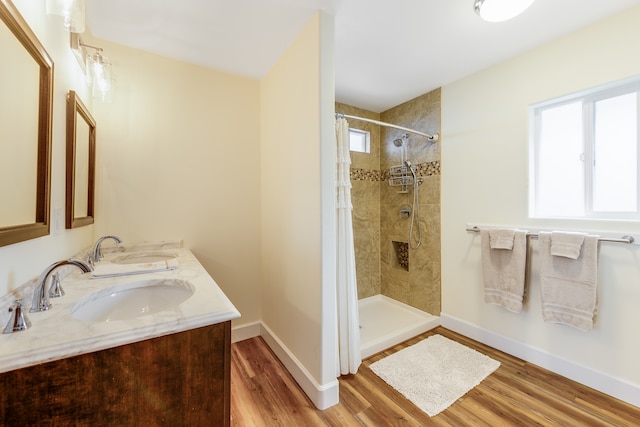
359,140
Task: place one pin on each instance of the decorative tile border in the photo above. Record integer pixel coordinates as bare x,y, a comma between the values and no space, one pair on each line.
422,169
358,174
428,169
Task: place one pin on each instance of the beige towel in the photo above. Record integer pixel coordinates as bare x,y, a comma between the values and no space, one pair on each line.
501,238
568,286
566,244
107,269
503,271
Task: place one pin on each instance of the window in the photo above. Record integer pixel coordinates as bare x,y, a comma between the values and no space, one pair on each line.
585,154
358,140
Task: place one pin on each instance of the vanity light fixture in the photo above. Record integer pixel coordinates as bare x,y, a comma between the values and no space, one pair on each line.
96,66
98,72
500,10
73,12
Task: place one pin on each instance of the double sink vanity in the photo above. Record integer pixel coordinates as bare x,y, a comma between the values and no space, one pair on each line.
143,339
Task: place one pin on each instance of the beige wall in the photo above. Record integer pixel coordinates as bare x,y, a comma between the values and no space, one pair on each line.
297,181
23,261
179,158
485,179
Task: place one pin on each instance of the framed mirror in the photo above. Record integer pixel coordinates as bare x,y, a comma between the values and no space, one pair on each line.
26,104
81,163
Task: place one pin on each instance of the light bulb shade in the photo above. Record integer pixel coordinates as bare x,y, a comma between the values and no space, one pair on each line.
98,74
500,10
73,12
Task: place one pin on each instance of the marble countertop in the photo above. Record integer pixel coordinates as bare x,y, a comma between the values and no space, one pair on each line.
56,334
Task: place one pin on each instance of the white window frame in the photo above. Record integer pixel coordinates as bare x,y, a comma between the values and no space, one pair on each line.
367,140
588,98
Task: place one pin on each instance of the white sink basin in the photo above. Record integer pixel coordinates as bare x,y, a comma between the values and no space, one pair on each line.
132,300
143,257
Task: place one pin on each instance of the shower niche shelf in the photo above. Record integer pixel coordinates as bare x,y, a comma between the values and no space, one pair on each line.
400,255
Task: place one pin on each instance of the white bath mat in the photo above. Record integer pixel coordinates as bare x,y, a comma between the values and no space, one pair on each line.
435,372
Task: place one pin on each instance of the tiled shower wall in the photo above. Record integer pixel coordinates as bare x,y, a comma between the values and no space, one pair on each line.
377,221
365,197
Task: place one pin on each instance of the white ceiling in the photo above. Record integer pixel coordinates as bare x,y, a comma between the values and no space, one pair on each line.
387,51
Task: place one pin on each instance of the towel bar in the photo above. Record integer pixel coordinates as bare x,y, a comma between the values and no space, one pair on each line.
624,239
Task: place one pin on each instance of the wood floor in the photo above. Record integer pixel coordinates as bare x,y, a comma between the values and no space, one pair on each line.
263,393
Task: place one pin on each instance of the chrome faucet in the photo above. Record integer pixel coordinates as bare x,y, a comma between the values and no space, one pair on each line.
96,252
40,300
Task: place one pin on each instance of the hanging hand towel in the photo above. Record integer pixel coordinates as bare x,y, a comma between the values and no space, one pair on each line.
566,244
568,286
503,271
501,238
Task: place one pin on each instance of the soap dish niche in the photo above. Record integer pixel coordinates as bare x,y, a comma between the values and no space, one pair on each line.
400,255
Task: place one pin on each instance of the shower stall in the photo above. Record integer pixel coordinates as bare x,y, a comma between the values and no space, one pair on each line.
396,221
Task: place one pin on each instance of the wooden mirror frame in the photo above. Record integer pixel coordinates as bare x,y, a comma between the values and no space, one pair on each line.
75,110
11,17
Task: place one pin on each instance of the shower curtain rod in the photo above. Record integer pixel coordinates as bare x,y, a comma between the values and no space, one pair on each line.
432,138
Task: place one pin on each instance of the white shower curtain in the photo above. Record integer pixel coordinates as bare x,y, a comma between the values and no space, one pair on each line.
347,292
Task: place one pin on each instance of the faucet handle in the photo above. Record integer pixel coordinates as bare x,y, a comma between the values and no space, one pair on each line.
18,320
90,259
55,289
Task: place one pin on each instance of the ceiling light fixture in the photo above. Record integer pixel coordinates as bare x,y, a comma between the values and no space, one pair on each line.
73,12
500,10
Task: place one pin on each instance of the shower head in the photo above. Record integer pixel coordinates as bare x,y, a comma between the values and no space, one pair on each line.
399,142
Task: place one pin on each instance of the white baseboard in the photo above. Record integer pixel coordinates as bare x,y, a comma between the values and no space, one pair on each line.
604,383
246,331
323,396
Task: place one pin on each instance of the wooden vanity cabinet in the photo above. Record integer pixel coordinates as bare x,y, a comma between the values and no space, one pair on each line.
182,379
